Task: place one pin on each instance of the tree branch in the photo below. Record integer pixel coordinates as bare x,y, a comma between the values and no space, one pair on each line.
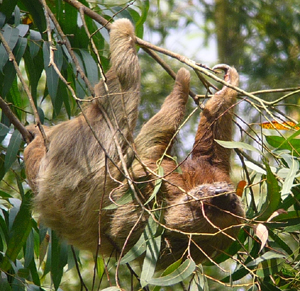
15,121
143,44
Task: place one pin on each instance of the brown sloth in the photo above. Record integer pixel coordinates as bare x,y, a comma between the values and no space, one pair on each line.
93,160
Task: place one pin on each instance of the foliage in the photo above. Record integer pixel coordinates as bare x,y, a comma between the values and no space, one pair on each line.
266,254
260,38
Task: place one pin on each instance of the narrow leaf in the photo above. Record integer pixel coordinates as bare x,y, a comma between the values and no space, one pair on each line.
273,196
12,149
265,257
90,67
137,250
56,269
289,180
185,270
152,255
19,232
237,145
126,198
3,129
11,36
158,183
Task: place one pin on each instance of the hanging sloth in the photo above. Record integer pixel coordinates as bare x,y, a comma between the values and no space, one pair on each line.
93,160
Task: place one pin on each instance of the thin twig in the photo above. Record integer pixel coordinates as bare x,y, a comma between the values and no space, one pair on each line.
70,51
78,270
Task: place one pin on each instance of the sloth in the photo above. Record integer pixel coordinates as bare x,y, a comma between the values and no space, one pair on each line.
93,161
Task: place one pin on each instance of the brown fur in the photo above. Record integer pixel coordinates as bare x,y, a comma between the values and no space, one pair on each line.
75,180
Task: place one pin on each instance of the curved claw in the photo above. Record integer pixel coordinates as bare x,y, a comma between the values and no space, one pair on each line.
231,75
223,67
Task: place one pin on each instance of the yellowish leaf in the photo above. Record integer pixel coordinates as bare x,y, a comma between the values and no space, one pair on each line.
287,125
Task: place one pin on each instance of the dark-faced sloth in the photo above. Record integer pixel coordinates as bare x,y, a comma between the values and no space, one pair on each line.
93,161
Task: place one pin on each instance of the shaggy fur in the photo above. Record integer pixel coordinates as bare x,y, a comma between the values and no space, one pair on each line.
79,176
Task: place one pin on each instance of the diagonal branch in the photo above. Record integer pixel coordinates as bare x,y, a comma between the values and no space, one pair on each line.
15,121
12,58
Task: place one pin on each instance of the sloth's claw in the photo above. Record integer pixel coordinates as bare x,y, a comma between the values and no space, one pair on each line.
222,67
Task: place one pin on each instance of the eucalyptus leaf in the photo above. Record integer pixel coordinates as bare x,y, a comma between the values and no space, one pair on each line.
265,257
291,176
3,129
90,67
237,145
19,232
11,35
273,196
125,199
51,74
12,149
158,183
56,266
280,142
184,270
150,260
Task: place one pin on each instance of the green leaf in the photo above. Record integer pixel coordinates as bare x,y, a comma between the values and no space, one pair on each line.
265,257
9,70
100,267
273,196
34,43
137,250
152,255
266,286
12,149
34,67
3,129
14,97
11,35
4,194
168,271
34,273
291,176
7,7
126,198
29,250
158,183
280,243
19,232
23,29
145,8
31,287
241,270
51,75
281,143
184,270
90,67
79,83
4,283
237,145
20,49
150,232
35,9
56,268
